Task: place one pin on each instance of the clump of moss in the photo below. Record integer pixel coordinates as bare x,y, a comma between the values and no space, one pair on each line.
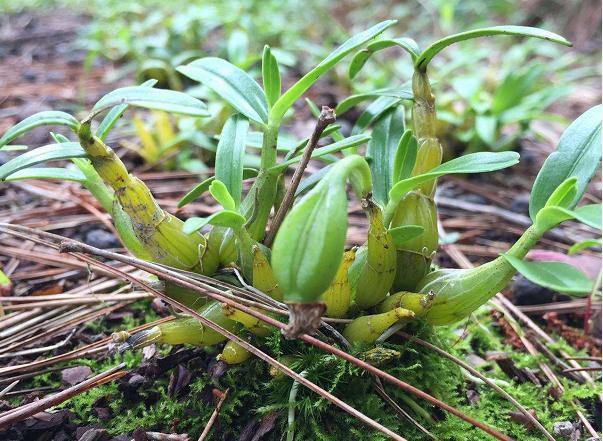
255,394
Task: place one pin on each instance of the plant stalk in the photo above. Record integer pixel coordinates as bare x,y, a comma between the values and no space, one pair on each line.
258,202
326,117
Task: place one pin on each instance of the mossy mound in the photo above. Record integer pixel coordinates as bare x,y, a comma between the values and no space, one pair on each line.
259,401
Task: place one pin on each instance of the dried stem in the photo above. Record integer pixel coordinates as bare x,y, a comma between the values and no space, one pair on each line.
20,413
326,117
214,415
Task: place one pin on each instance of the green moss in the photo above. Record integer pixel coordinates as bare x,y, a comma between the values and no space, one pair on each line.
254,393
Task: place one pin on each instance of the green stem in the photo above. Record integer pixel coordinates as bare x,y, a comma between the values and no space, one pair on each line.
258,203
423,111
95,184
291,413
525,243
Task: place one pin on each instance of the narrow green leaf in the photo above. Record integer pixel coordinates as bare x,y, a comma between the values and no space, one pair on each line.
312,180
14,148
360,59
557,276
381,151
473,163
551,216
203,186
230,155
564,195
47,118
234,85
299,88
524,31
402,93
578,154
224,218
406,156
589,215
373,112
585,244
60,174
285,141
52,152
115,113
332,130
220,193
405,233
314,110
149,98
271,76
346,143
195,192
58,138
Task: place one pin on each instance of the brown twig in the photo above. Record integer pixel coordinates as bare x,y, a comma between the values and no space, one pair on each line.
76,248
22,412
215,413
326,117
582,369
91,349
72,301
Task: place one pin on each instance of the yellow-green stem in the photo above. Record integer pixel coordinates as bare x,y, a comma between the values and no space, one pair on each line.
258,203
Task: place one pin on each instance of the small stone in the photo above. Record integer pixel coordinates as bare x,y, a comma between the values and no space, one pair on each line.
563,428
136,380
102,239
94,434
75,375
526,292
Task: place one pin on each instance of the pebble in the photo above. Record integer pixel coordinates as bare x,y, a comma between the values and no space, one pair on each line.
94,434
102,239
529,293
563,428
